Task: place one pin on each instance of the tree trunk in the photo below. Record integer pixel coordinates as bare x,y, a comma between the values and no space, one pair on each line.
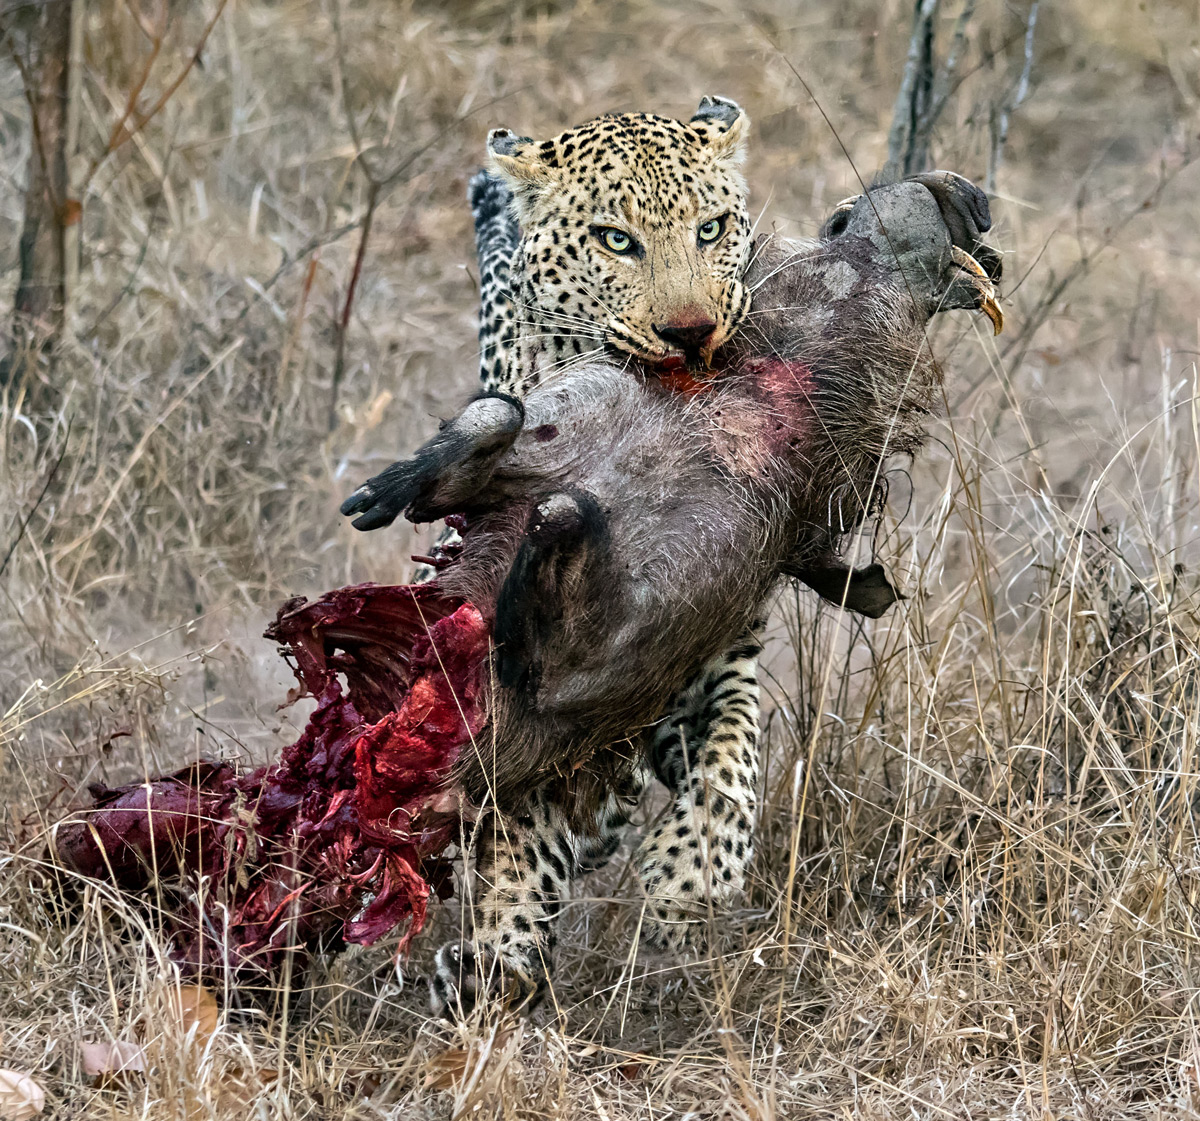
40,299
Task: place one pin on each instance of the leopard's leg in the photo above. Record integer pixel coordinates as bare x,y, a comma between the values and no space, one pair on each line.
525,864
497,236
602,841
706,752
520,889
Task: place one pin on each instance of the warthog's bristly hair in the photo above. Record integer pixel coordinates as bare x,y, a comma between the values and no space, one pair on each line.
622,534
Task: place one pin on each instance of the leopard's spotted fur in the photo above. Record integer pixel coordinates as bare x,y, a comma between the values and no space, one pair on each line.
673,194
552,291
854,305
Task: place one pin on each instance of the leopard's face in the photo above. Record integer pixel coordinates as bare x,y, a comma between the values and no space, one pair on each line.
634,233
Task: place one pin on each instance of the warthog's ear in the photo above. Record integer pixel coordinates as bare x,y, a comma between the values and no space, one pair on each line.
724,125
566,538
517,159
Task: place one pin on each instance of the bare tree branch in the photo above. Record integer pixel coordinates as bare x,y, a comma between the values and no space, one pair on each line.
51,79
1010,102
71,213
132,121
38,307
945,84
380,181
926,88
915,86
343,322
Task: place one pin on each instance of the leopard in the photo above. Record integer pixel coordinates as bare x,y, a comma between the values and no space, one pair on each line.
627,236
634,233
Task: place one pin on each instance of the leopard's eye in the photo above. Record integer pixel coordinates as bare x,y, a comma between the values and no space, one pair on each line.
616,240
711,230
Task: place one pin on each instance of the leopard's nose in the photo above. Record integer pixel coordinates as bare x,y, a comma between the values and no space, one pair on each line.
688,337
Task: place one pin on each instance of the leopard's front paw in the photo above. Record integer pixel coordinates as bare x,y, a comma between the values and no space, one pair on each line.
670,924
682,891
463,976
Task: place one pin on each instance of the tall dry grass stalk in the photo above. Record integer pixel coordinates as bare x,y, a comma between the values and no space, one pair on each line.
976,889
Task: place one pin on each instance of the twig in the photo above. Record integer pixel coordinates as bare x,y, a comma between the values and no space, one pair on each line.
39,305
339,362
156,35
70,214
925,89
1008,106
1014,354
125,129
152,31
916,74
27,85
343,322
139,449
921,120
127,287
285,359
945,84
37,502
339,71
319,241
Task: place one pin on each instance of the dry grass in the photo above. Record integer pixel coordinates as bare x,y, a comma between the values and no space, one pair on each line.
976,893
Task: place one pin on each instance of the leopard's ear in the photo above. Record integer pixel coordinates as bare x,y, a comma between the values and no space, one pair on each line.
724,125
516,159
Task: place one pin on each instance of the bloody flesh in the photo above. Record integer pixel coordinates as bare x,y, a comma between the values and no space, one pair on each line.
338,841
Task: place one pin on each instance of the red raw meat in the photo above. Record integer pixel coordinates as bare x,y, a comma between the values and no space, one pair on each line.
340,839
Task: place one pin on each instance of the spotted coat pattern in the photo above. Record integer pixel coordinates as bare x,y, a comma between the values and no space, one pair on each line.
633,238
553,290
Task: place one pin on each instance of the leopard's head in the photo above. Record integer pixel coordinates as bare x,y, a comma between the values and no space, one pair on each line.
634,232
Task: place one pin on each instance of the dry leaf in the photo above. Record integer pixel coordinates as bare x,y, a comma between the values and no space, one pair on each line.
262,1075
197,1008
20,1096
366,1083
104,1059
445,1071
1190,1070
442,1071
235,1088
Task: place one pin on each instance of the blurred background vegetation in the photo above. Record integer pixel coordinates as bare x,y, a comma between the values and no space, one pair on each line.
251,284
